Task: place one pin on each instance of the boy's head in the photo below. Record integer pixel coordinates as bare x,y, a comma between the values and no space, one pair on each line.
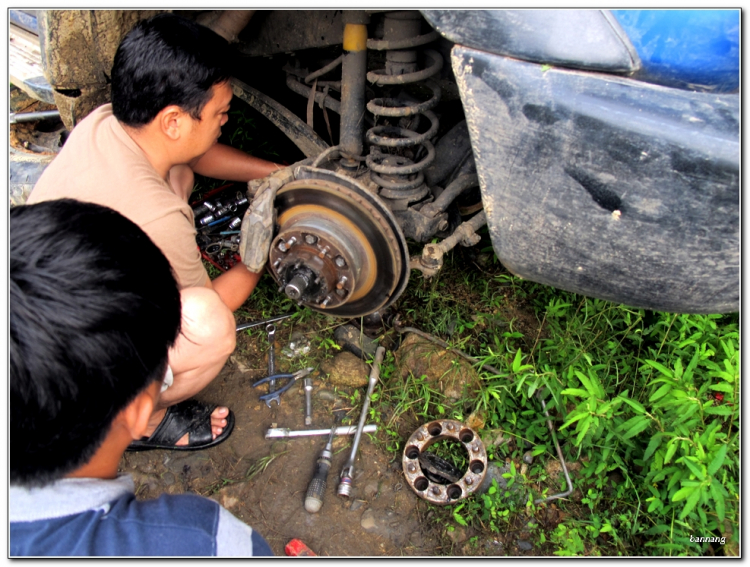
167,60
94,308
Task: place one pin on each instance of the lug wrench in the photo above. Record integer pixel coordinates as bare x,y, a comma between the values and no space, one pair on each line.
347,473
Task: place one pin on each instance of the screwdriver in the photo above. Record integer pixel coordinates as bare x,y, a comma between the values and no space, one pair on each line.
317,487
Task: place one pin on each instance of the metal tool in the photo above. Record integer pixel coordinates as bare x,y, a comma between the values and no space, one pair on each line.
347,473
317,487
285,432
308,401
251,324
434,479
271,330
275,395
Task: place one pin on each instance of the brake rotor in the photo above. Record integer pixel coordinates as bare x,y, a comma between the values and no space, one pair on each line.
338,248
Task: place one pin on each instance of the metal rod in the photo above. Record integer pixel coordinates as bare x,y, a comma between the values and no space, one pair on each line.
559,456
322,71
244,326
16,117
285,432
347,473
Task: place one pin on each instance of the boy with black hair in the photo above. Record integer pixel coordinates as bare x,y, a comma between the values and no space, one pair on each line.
138,155
94,309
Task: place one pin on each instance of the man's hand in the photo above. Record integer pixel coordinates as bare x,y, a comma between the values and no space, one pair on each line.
257,225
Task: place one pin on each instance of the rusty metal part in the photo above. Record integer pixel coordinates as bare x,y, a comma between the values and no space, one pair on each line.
451,192
283,31
429,434
230,23
338,248
290,124
437,341
323,70
431,260
320,98
399,175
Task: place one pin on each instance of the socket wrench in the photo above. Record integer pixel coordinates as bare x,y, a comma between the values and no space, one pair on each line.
347,473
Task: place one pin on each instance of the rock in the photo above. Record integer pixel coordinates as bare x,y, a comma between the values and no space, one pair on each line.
476,420
443,369
326,395
346,370
459,534
524,545
368,521
356,505
416,539
371,490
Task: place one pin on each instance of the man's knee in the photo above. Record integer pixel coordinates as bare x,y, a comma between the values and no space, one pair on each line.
206,320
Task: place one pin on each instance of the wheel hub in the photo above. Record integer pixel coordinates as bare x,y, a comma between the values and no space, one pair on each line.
338,248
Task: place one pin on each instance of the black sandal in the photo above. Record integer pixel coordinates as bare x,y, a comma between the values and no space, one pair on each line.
191,417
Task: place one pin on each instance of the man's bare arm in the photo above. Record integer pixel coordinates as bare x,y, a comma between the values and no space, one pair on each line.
235,285
226,162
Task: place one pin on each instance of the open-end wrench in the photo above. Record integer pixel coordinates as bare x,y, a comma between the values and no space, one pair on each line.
271,330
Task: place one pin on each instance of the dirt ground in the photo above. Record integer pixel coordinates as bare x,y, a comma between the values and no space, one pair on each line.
263,482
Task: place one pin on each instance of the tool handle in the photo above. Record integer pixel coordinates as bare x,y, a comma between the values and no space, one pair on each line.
317,487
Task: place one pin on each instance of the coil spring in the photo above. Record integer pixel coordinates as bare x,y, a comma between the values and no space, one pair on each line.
399,177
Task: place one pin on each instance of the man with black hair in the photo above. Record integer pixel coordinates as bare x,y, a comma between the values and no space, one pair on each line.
138,155
94,310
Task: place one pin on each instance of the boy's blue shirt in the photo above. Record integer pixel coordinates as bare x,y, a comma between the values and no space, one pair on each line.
85,517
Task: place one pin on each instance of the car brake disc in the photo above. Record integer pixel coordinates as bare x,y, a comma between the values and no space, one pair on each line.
338,248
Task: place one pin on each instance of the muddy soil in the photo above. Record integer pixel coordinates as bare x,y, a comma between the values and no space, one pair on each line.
263,482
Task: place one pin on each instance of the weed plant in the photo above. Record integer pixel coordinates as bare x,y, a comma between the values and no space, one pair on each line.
645,403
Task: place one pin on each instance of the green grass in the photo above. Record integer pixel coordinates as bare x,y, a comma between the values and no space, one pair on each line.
648,399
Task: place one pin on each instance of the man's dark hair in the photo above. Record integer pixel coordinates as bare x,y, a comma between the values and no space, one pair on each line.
94,308
167,60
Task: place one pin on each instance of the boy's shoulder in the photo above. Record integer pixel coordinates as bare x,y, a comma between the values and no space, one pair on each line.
102,517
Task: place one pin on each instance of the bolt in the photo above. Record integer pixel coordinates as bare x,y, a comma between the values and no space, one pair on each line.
469,481
341,282
340,262
420,437
311,239
324,252
475,448
326,301
291,242
282,246
435,490
276,263
450,427
411,467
